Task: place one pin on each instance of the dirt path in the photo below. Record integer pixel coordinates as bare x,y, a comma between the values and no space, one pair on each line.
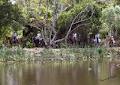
34,50
38,50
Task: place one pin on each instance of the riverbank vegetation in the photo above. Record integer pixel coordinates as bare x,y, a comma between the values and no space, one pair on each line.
18,54
57,20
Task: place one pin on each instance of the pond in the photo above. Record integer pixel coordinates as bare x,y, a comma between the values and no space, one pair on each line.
60,73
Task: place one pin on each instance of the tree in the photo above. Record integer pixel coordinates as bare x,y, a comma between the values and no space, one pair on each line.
83,18
67,15
117,2
10,17
111,16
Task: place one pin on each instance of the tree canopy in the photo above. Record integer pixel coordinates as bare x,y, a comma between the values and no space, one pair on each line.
111,17
60,17
11,18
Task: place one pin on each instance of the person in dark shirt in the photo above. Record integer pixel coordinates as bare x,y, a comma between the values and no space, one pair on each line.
14,38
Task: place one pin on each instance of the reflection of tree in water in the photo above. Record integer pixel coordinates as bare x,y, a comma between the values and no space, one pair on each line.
55,73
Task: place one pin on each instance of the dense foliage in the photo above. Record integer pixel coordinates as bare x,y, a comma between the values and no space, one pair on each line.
59,16
11,18
111,17
92,25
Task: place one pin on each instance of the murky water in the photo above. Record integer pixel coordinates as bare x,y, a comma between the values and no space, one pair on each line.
60,73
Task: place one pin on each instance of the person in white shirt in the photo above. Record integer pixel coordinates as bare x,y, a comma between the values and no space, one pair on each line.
97,39
75,38
38,37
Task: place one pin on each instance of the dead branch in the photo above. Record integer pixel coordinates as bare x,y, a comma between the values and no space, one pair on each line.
73,23
79,21
78,27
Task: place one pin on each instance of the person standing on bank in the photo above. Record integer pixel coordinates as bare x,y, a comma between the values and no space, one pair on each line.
97,39
74,38
14,38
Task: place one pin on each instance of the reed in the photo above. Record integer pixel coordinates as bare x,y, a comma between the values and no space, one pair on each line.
62,54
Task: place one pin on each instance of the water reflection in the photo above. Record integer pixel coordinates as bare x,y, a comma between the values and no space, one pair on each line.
62,73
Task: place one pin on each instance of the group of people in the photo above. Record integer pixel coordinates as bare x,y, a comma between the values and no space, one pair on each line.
39,41
109,41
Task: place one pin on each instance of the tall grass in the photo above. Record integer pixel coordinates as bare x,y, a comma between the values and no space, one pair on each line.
74,54
13,54
62,54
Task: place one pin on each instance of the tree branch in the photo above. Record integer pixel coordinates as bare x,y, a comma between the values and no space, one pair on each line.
73,23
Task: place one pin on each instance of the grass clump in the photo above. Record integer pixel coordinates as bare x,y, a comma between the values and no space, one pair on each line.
12,54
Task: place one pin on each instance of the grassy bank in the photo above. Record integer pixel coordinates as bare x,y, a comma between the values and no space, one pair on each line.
62,54
13,54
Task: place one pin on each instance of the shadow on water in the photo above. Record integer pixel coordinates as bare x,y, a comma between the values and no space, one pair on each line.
59,73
